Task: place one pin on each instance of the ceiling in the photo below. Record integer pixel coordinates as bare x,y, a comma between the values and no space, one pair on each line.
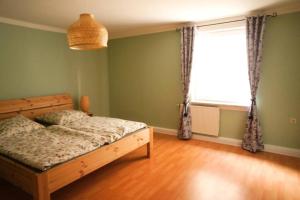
122,17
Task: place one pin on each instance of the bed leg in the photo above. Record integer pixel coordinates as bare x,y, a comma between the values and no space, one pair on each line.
150,144
41,191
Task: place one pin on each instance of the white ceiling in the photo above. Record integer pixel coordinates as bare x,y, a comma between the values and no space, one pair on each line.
125,16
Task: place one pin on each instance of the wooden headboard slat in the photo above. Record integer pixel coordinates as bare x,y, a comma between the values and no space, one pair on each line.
34,106
7,106
34,113
8,115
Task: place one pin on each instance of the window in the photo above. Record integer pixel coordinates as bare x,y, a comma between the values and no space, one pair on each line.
220,66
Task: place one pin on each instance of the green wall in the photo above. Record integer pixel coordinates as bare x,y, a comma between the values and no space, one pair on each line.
144,78
92,78
138,78
35,62
279,92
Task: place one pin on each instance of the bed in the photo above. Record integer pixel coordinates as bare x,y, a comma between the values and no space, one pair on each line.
40,184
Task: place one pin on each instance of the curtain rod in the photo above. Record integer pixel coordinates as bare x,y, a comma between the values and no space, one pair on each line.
226,22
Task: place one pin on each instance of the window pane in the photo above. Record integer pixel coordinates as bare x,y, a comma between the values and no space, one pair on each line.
220,71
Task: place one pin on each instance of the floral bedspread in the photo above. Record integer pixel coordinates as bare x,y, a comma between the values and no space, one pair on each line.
46,147
110,128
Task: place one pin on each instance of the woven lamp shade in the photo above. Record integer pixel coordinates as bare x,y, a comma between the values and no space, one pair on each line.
87,34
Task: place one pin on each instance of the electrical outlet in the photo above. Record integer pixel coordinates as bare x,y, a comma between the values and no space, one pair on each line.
292,120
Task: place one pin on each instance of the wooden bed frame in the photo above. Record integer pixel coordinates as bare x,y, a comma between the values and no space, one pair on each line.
42,184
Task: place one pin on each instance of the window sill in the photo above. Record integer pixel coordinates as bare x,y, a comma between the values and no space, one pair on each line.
222,106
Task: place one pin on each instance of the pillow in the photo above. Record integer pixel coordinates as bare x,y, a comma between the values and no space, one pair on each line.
61,117
18,124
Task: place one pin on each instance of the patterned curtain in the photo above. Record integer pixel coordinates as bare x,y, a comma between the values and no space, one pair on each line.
252,140
187,43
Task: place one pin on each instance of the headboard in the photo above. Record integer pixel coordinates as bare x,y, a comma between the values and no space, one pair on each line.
34,106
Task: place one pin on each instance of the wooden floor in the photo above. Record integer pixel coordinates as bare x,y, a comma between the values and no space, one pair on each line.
185,170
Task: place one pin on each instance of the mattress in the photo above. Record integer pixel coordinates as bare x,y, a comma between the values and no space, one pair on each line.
110,128
44,148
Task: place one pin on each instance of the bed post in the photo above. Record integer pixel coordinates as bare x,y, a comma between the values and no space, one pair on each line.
150,144
40,190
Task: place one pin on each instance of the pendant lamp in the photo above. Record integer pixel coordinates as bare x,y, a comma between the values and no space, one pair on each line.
87,34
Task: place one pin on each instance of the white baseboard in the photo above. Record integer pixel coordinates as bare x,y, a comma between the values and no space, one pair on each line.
234,142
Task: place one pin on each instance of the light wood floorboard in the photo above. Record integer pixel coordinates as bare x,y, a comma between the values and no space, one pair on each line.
185,170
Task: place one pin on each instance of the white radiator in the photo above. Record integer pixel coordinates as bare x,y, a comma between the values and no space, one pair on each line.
205,120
